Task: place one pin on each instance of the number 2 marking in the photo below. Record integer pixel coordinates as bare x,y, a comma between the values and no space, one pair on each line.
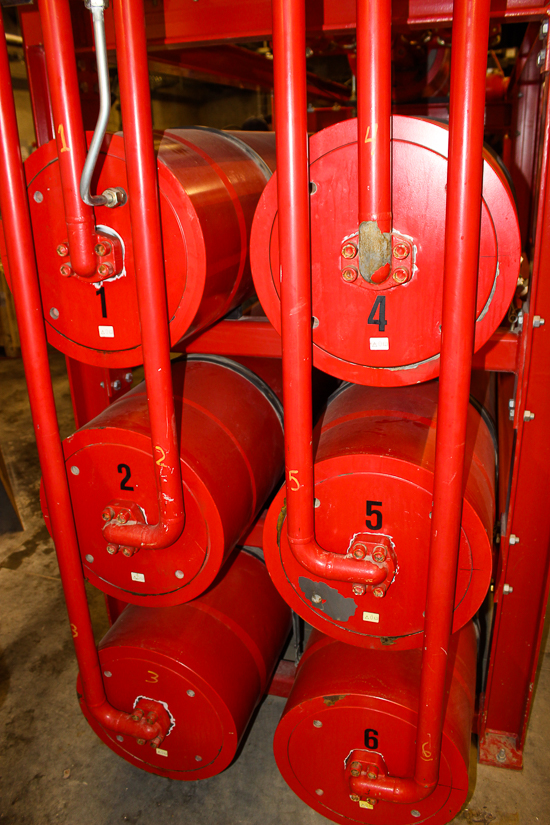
124,483
61,133
293,479
155,677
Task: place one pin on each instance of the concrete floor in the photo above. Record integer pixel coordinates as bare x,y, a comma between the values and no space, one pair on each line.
55,770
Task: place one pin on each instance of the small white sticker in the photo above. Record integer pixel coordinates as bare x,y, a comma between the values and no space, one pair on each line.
138,577
371,617
379,343
109,332
161,752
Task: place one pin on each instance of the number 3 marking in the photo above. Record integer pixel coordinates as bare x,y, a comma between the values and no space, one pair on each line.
155,676
293,479
74,631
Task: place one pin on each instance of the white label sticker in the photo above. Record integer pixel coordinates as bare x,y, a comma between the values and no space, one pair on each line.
138,577
379,343
161,752
363,803
109,332
371,617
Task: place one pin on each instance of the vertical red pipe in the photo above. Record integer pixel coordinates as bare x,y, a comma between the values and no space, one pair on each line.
374,111
143,201
293,197
463,218
69,131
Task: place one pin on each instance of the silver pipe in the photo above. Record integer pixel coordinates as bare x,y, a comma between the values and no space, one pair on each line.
115,196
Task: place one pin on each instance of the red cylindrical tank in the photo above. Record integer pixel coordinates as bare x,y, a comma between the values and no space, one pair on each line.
209,662
349,705
209,183
374,466
231,444
386,331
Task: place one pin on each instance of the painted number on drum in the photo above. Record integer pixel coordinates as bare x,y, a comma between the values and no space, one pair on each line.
293,480
123,468
374,522
154,677
371,739
379,307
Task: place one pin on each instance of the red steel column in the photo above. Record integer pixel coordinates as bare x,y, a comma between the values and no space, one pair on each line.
464,186
143,201
17,229
69,131
374,111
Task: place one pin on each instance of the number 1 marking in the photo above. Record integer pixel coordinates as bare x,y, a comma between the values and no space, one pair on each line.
61,133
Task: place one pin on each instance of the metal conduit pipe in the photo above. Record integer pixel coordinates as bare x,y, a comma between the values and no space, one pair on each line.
151,289
463,215
19,243
57,30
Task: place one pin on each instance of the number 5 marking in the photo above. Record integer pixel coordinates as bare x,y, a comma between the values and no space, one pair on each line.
293,479
155,676
61,133
161,459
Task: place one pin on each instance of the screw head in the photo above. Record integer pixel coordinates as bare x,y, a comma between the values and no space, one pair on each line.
501,755
62,250
140,741
179,574
359,551
120,738
116,384
122,518
379,553
355,773
358,589
89,558
191,693
354,797
127,551
349,250
66,270
316,598
112,549
105,270
371,775
106,515
401,275
54,313
317,723
378,592
400,251
128,377
356,766
38,196
102,249
349,274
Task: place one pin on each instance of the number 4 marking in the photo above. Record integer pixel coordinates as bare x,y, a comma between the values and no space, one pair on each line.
380,307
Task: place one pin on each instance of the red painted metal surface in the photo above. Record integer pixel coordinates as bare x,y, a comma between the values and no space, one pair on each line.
209,185
354,712
69,132
94,388
15,211
387,333
374,466
229,425
208,663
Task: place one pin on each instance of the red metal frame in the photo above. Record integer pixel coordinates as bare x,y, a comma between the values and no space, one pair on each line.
523,565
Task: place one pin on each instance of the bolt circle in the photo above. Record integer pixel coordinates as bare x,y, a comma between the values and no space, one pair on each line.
349,250
349,274
401,275
400,251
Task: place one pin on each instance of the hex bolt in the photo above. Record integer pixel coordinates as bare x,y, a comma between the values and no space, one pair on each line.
371,775
156,741
316,598
378,592
349,274
140,741
538,321
401,275
501,755
358,589
128,551
107,514
356,766
128,377
105,270
541,57
354,797
62,250
116,384
513,539
507,589
528,415
355,773
349,250
102,249
379,553
112,549
359,551
122,518
400,251
152,717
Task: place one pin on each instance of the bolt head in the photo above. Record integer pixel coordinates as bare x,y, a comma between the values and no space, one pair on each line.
354,797
102,249
501,755
316,598
105,270
112,549
355,773
106,515
356,766
379,553
378,592
359,551
127,551
400,251
358,589
140,741
401,275
66,270
63,250
349,274
122,518
371,775
349,250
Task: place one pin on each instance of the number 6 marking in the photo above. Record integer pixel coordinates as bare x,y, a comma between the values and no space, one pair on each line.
293,479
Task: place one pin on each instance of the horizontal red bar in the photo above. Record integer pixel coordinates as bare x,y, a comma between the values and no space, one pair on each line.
499,354
243,337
